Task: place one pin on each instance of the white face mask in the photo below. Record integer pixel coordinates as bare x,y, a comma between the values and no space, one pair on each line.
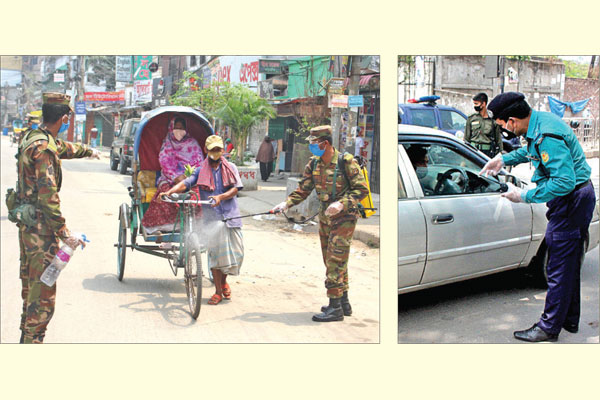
179,133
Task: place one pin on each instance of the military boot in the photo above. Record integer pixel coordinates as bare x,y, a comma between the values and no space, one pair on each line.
333,312
346,307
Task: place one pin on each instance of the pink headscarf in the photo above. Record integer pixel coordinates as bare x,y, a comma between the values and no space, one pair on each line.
175,154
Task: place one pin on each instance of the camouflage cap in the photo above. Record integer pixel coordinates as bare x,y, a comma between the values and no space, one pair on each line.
56,98
214,141
319,132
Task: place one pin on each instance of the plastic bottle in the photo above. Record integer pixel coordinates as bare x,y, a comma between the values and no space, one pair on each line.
62,257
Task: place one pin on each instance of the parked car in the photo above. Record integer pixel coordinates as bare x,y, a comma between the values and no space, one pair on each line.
121,150
453,224
426,112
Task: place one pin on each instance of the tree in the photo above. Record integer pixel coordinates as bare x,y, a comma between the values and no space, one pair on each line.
102,71
242,108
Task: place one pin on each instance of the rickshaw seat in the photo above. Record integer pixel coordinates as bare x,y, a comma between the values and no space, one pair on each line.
146,181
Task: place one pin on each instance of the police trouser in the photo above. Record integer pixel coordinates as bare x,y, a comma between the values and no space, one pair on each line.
568,221
37,252
336,237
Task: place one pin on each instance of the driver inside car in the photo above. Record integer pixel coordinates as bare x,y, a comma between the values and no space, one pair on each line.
420,159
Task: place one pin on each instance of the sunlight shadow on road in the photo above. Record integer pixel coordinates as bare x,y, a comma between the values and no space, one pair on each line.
290,319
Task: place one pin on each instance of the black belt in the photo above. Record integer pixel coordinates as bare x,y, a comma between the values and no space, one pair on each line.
582,185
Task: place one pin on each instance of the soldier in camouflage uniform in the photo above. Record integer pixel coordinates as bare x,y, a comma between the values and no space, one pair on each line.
339,193
481,131
39,181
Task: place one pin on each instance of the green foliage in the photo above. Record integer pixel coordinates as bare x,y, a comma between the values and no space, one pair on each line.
574,69
241,109
209,99
304,128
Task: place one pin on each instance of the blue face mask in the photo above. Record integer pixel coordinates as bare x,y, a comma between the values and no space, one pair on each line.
34,126
314,148
64,127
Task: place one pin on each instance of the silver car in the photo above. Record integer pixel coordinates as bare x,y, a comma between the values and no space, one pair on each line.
453,225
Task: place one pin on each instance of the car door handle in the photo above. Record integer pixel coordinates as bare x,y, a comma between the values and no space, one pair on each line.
439,219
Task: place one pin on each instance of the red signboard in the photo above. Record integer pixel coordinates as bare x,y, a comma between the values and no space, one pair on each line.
107,97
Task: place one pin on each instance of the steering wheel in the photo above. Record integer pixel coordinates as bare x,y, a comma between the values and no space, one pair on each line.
448,175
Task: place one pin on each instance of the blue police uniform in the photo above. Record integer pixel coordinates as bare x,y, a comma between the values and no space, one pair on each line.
562,178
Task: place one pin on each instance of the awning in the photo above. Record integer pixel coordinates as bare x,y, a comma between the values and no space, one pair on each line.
364,80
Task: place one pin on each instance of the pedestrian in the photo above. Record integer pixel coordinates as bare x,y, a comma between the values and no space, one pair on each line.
218,179
228,147
265,157
339,190
39,181
562,178
481,131
359,143
94,136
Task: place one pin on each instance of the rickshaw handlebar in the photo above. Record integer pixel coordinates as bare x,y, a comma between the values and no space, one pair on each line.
184,198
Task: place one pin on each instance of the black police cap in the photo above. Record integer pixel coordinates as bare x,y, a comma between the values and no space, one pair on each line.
504,101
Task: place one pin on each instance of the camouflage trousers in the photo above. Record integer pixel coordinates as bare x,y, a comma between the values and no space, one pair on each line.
336,237
37,252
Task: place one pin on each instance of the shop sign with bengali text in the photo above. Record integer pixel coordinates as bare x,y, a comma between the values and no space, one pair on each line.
141,68
339,100
80,107
272,67
336,86
104,97
355,101
59,77
142,91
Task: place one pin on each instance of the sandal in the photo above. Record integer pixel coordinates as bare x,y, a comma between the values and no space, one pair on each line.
215,299
226,291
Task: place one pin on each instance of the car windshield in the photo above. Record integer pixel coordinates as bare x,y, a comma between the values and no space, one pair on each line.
452,121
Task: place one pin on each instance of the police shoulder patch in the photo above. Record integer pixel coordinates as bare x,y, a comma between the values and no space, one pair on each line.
545,156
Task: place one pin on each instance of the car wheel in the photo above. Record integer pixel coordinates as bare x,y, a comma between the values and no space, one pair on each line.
122,165
114,163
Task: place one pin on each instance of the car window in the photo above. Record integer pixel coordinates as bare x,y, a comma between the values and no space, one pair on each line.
451,120
423,117
443,171
133,128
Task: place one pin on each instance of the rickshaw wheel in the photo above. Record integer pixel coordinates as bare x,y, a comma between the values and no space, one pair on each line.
193,279
121,248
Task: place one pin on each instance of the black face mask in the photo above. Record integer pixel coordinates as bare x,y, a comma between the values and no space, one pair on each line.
478,108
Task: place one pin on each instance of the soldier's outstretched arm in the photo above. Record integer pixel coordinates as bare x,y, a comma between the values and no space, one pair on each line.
48,200
67,150
305,187
358,186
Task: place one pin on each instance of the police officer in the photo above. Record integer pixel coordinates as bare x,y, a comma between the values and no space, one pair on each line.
39,181
562,178
339,192
481,131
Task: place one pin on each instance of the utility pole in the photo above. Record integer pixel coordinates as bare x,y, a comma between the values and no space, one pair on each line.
353,89
591,69
336,112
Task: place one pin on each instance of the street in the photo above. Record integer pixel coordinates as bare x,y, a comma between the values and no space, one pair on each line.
489,309
279,288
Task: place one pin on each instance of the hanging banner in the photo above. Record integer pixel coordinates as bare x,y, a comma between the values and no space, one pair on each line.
123,67
80,107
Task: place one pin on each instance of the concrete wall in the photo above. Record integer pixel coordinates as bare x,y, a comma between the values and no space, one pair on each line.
458,78
257,134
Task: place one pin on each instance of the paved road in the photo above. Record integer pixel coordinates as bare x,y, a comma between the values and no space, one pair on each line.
489,309
280,287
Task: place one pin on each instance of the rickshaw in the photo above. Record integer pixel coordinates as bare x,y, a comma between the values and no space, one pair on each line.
181,246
